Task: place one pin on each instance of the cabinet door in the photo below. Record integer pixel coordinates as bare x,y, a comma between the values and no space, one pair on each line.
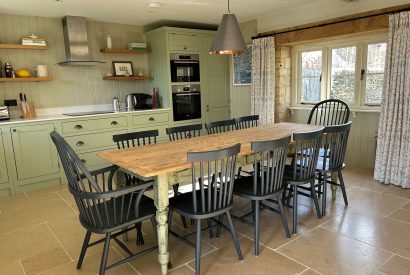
3,167
215,76
183,42
34,152
215,114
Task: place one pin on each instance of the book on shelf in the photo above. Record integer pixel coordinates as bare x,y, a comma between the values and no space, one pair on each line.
33,41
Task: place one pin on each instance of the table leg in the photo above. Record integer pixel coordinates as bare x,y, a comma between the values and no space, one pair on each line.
161,202
334,187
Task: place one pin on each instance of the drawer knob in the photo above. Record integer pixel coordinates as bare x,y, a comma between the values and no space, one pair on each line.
114,123
83,161
80,143
151,119
78,127
14,130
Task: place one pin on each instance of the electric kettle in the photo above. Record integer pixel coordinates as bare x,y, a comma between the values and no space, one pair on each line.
116,104
130,102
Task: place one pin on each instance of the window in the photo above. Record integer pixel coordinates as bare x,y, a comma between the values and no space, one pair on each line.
351,70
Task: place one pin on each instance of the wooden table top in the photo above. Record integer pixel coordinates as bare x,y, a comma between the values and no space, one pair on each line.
162,158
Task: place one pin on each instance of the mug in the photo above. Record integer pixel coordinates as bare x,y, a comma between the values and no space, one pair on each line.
41,71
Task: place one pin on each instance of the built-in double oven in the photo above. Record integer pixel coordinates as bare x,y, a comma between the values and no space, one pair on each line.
186,102
186,91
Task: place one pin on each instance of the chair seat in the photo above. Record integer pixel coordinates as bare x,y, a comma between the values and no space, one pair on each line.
113,208
244,188
288,176
326,168
183,204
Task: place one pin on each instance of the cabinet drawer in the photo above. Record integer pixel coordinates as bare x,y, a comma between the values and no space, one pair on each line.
92,161
183,42
162,135
94,124
93,141
148,119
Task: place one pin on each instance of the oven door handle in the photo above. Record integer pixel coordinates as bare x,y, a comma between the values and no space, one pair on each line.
187,94
183,62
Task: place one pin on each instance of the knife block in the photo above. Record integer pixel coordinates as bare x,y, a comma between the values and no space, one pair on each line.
28,111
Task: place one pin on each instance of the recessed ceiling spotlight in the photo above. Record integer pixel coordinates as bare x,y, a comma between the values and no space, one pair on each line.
154,4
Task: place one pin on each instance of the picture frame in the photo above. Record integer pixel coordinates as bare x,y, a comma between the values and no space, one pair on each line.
242,68
122,68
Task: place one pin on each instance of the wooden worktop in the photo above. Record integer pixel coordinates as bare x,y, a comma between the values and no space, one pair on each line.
162,158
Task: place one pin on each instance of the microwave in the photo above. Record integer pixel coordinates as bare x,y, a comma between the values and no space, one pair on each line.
184,67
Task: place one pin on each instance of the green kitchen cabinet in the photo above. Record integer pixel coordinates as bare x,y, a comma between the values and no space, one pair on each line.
214,83
215,114
34,152
180,42
3,166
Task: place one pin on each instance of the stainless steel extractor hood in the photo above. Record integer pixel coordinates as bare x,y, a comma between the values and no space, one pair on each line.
76,42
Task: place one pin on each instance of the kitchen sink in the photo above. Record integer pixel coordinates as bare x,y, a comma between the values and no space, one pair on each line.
89,113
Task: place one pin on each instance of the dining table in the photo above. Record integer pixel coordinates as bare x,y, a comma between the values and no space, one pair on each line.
167,163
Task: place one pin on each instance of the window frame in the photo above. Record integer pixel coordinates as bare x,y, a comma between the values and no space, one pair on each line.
361,43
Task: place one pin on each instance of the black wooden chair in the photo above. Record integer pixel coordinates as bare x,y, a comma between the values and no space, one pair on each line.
329,112
178,133
136,139
305,154
184,132
266,184
334,144
214,173
220,126
102,209
246,122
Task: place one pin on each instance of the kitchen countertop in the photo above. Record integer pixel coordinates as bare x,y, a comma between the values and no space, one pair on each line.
46,116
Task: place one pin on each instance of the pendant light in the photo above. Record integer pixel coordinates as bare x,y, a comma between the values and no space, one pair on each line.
228,39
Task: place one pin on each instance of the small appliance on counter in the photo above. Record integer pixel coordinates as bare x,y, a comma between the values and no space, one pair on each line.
4,113
130,102
143,101
116,104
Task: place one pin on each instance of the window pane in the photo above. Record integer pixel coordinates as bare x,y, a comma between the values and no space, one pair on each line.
311,75
376,54
343,67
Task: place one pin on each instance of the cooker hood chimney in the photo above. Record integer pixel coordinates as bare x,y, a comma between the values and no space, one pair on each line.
76,42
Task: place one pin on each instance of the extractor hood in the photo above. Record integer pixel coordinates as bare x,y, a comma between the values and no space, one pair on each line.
76,42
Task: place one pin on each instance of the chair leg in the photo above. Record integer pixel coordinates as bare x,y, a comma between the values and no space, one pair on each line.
324,194
295,209
84,249
342,186
198,248
283,217
290,193
140,237
256,228
184,221
211,233
234,237
319,188
175,187
218,228
315,200
105,254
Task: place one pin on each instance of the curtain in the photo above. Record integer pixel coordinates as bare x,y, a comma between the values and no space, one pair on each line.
263,79
393,144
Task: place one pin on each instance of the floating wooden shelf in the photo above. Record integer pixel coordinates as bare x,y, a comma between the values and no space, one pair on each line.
126,78
25,79
105,50
26,47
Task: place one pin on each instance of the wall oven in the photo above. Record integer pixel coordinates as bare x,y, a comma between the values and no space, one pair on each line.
184,67
186,102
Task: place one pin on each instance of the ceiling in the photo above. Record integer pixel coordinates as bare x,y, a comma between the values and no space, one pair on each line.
137,11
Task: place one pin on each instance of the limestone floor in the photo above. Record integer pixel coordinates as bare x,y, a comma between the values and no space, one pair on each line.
40,234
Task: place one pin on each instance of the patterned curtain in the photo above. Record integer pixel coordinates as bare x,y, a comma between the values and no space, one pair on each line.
393,145
263,79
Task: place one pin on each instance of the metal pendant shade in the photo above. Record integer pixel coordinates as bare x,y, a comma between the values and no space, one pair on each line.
228,39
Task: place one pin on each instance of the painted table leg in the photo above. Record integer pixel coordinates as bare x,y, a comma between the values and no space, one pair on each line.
334,187
161,202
